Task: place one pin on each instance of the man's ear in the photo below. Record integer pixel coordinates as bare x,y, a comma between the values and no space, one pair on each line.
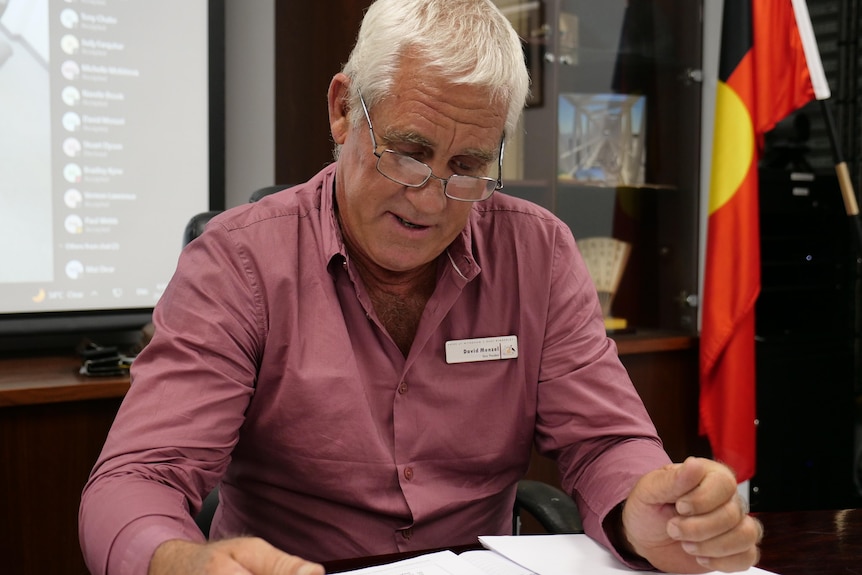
339,107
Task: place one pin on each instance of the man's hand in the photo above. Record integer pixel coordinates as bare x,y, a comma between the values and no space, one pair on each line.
240,556
689,518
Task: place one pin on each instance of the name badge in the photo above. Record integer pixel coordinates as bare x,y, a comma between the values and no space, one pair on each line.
482,349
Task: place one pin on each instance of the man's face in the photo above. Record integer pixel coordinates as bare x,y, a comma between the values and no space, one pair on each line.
450,128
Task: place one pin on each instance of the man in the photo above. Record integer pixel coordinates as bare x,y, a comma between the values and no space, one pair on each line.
326,355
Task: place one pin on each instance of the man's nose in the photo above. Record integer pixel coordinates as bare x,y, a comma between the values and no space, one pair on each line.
431,197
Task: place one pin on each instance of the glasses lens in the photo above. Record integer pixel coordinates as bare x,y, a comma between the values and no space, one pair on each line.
403,169
469,187
408,171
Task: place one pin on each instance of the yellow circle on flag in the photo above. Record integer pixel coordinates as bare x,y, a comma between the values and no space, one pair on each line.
733,146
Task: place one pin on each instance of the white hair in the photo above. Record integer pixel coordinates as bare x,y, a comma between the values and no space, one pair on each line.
463,41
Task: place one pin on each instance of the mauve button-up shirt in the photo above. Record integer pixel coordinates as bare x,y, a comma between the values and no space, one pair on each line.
271,373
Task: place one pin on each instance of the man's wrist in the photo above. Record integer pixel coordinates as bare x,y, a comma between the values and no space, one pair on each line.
169,555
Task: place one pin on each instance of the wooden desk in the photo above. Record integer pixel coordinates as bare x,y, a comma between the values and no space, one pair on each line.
53,423
812,542
53,379
796,543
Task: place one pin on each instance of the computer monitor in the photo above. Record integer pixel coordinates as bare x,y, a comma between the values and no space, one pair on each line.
112,116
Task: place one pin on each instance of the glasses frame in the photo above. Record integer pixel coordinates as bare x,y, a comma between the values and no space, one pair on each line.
498,182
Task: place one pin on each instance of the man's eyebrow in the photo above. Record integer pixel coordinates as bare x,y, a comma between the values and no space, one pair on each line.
482,155
408,137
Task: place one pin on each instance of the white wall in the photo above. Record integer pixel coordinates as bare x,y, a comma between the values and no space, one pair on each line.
249,98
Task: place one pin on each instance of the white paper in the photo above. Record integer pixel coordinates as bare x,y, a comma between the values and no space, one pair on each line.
439,563
565,555
492,563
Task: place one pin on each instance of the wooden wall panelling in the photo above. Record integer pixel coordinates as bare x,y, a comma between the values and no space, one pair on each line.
47,453
312,42
668,384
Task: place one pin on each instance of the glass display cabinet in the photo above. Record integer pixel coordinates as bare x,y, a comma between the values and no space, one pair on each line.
611,144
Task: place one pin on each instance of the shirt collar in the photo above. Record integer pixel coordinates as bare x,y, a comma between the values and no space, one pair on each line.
333,243
459,254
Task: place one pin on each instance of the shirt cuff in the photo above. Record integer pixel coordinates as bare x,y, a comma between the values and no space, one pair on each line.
134,546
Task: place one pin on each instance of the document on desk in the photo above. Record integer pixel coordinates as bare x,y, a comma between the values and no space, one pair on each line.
521,555
479,562
566,555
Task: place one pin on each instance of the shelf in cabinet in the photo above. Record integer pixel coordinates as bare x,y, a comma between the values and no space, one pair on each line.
563,184
651,341
521,185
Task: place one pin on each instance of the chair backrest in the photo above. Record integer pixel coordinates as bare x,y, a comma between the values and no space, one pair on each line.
204,518
258,194
196,225
552,507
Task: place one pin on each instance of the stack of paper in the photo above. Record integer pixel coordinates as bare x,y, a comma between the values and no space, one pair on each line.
523,555
564,555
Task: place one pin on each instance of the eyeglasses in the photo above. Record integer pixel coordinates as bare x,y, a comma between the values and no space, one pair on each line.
410,172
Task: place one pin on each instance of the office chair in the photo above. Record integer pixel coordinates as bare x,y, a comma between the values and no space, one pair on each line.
204,518
551,507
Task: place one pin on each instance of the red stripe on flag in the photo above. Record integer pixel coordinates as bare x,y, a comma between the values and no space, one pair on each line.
727,392
771,81
781,76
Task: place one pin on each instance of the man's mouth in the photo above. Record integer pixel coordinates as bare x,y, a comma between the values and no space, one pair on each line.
410,225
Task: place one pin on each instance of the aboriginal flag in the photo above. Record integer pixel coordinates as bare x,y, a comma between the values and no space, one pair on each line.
769,66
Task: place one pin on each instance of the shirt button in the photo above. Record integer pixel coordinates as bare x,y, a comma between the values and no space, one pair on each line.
402,389
408,473
407,533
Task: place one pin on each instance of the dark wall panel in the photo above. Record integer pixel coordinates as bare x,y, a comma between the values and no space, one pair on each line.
312,42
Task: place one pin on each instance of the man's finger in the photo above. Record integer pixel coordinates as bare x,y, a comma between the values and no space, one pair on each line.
731,547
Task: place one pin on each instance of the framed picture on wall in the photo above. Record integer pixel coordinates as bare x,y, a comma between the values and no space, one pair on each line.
602,139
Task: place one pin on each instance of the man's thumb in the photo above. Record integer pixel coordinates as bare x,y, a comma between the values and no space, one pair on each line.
668,484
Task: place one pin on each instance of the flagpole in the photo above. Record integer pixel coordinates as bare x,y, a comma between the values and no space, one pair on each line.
844,181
